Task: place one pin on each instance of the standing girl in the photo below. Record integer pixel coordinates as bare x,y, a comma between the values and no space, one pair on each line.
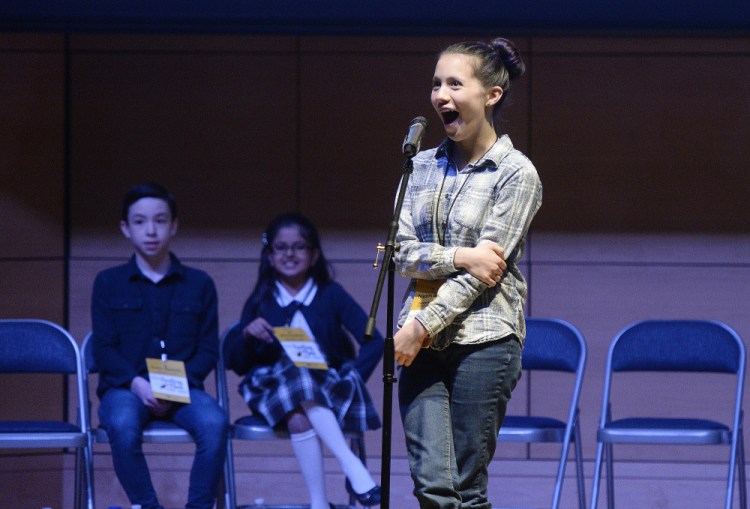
467,209
295,290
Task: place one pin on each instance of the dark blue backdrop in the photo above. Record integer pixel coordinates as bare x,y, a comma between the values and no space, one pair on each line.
382,17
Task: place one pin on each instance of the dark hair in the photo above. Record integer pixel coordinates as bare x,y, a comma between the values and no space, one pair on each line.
499,63
321,271
148,190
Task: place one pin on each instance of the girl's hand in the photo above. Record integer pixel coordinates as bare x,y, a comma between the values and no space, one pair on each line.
408,341
260,329
486,262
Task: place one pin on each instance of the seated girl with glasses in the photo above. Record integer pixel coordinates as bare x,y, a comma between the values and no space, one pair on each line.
295,296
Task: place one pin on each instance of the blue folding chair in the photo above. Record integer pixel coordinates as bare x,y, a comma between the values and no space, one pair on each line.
673,346
155,432
557,346
31,346
253,427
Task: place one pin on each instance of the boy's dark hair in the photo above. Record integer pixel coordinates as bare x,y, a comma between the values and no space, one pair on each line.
148,190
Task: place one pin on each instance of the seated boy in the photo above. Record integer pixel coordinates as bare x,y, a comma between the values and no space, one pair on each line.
155,307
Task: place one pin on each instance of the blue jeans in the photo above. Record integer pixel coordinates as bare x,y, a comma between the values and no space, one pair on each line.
452,405
123,416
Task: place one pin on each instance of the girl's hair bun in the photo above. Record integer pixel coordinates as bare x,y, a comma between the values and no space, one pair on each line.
510,57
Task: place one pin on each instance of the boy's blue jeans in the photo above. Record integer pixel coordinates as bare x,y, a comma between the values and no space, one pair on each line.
123,416
452,405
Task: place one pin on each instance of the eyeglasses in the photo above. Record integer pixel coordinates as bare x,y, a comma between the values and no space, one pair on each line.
284,248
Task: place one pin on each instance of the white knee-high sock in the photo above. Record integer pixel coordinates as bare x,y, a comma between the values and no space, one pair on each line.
327,427
310,458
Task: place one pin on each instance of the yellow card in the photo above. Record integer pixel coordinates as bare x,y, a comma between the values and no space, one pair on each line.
302,350
425,291
168,380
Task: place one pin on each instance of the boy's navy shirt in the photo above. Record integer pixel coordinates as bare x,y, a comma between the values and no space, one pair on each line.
131,314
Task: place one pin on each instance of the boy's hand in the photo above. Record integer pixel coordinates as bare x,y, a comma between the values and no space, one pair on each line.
142,388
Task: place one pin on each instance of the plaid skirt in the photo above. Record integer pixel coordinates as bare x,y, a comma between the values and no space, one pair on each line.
274,391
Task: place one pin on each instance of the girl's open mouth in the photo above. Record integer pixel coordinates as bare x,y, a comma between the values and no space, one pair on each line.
449,116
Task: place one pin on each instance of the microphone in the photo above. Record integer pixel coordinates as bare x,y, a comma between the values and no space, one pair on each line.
413,140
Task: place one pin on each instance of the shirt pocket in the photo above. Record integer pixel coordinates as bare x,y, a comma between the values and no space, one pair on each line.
472,208
127,314
185,318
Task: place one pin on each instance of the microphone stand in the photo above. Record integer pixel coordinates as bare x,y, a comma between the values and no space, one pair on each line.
389,350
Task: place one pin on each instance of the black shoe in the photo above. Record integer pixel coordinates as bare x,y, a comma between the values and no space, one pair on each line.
372,497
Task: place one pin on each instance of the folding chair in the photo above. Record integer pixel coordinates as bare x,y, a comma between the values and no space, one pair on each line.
556,346
155,432
695,346
37,346
253,427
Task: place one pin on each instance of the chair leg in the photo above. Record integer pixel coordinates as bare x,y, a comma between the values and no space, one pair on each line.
741,470
78,490
579,469
89,473
84,480
610,478
570,436
230,494
728,502
361,450
597,475
560,477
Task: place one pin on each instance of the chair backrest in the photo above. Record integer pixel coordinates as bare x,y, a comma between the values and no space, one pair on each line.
554,345
40,346
36,346
678,345
221,376
87,354
232,332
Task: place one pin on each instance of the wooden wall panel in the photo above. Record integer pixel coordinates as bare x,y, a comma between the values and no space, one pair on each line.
214,124
33,481
32,289
632,136
31,145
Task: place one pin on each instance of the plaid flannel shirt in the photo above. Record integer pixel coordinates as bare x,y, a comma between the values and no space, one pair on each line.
493,200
